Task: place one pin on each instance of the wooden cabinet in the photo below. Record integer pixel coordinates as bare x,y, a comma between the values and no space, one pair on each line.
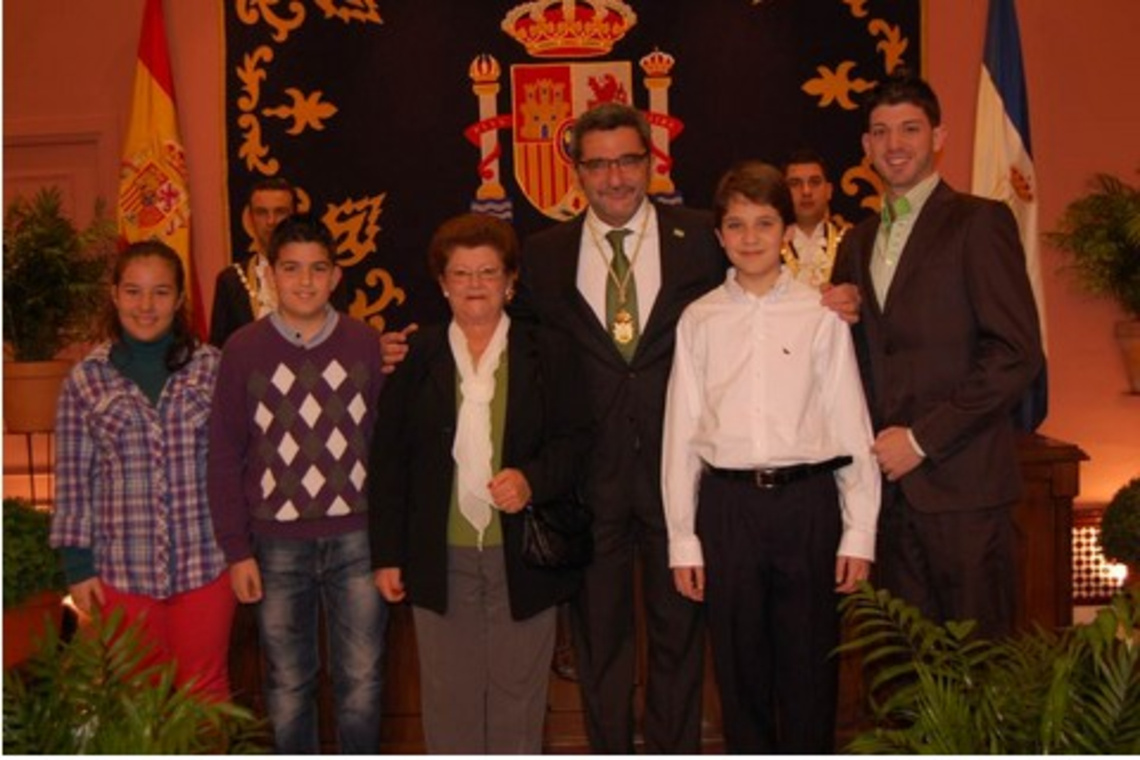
1043,520
1050,470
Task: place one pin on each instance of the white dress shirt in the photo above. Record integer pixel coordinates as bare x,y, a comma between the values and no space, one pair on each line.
642,248
766,381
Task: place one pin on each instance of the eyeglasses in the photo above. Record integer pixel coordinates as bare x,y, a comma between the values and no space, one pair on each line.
626,163
482,274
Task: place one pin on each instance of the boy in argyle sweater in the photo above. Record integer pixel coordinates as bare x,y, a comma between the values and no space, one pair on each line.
289,439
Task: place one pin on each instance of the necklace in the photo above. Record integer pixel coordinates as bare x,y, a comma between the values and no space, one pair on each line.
622,283
250,287
245,283
834,238
261,295
820,269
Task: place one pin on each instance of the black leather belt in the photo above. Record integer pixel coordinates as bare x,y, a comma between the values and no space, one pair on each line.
773,477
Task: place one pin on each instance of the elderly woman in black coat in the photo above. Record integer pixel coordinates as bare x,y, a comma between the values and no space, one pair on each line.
484,417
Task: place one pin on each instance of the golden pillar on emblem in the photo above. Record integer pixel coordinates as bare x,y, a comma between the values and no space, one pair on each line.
484,72
657,66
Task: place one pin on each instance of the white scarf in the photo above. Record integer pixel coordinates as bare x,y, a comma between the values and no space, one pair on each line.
472,449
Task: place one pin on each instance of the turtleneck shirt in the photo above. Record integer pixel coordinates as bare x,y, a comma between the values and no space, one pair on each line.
144,363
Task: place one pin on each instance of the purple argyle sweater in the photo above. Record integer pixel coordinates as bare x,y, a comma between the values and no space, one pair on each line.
290,428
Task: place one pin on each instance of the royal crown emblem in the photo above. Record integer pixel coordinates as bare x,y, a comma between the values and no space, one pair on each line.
568,28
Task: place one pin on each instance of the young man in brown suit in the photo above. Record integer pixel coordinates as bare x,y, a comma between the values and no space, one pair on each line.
950,341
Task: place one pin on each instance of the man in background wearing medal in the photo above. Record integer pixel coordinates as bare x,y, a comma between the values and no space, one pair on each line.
244,290
811,254
614,281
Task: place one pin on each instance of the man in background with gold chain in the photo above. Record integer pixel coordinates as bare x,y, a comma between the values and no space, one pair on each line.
244,290
811,254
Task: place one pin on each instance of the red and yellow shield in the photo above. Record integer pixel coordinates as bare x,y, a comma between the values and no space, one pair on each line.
546,98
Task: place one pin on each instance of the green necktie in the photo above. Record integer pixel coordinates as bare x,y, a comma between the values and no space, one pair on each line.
621,297
887,252
892,212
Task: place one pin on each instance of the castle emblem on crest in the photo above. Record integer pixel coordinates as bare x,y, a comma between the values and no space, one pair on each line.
546,97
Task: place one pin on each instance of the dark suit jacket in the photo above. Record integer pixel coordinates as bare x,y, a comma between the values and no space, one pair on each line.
411,471
231,308
628,398
953,348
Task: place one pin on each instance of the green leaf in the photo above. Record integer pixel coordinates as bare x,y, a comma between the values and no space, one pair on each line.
942,689
93,696
54,275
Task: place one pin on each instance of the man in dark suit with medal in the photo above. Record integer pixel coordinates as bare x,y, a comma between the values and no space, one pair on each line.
614,281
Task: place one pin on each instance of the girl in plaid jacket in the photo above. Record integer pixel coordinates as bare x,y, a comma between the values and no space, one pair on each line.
131,519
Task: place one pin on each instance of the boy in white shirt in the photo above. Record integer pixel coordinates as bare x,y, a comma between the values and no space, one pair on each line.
771,493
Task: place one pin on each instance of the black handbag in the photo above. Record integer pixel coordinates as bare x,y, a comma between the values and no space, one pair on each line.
558,535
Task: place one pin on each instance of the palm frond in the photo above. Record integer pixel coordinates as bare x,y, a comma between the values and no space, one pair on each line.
97,694
941,689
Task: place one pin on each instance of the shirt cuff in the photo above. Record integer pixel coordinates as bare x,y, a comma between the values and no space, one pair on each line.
235,550
914,443
857,543
685,552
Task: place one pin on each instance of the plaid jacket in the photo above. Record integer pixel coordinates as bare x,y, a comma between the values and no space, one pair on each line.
131,476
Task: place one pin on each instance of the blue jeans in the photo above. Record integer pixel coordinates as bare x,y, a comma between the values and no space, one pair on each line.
295,574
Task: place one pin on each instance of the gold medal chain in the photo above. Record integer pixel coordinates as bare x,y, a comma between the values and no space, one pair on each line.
623,283
246,283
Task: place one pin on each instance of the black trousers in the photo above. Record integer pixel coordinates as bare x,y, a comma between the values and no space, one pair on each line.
773,611
627,532
951,565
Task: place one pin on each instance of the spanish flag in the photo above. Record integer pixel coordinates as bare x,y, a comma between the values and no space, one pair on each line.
154,193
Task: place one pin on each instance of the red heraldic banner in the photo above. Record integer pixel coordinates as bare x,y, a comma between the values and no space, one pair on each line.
154,193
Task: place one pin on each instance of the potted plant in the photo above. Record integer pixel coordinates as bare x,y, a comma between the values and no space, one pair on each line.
54,288
1101,233
1120,530
96,694
939,689
33,580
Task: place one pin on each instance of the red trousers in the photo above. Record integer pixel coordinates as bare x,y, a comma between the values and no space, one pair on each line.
192,629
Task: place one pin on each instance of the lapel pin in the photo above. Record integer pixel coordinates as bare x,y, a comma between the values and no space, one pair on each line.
678,232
